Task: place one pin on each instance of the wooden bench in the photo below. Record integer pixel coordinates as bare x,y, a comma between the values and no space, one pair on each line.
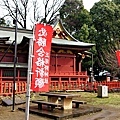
50,105
78,102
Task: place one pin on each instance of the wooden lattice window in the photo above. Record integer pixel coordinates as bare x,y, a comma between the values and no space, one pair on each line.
9,73
23,73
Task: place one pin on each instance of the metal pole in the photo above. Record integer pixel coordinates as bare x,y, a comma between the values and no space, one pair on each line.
91,68
15,61
29,79
92,77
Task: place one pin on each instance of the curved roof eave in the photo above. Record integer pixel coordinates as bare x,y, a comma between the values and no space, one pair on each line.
70,43
67,31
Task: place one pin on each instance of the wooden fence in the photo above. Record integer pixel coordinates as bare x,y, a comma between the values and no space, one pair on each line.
82,85
6,87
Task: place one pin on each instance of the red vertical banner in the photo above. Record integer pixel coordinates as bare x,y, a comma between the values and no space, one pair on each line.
118,56
41,60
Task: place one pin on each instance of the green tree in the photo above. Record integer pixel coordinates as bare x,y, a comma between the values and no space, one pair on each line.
84,33
106,19
68,12
2,22
78,22
116,1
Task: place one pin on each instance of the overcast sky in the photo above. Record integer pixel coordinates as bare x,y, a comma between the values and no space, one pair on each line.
87,5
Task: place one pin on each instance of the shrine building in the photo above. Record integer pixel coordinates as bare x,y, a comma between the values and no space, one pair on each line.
65,61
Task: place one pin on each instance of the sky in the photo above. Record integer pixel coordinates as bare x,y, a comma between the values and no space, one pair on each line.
89,3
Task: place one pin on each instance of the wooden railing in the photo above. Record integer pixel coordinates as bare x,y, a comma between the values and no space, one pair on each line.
6,87
6,83
67,85
82,85
67,73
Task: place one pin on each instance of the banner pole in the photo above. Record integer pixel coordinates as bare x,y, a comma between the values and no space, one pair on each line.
29,79
15,60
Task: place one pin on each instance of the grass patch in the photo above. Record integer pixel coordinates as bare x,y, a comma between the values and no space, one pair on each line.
91,98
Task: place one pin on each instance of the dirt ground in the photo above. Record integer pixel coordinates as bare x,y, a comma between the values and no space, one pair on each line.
107,113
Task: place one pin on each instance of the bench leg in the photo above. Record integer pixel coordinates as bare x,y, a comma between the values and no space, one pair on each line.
39,106
52,107
67,103
77,105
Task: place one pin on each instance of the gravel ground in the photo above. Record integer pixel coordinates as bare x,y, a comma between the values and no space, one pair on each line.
108,113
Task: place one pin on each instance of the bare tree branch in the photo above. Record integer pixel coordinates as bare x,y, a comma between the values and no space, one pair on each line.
109,59
42,12
51,8
10,6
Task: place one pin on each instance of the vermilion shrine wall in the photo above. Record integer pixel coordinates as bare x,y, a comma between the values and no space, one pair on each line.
62,63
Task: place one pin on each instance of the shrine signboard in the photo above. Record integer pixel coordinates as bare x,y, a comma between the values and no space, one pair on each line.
41,57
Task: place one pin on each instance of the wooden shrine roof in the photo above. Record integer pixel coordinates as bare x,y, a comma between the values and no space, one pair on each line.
23,36
61,37
70,43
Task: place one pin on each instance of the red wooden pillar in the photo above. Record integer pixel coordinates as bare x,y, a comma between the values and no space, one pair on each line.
78,82
69,83
0,81
80,66
56,69
74,64
59,84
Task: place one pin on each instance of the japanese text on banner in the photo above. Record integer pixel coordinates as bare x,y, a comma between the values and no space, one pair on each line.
42,47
